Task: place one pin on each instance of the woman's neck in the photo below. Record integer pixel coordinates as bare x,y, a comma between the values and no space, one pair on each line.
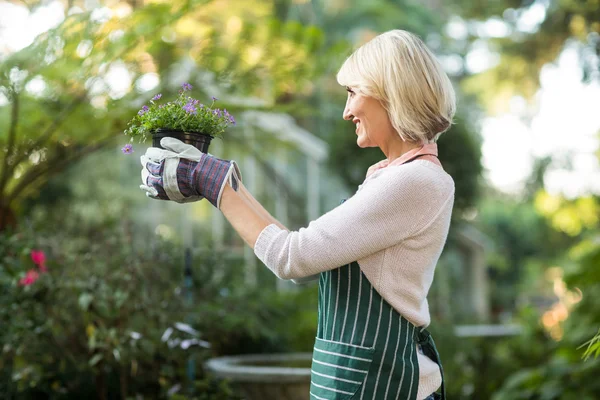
399,148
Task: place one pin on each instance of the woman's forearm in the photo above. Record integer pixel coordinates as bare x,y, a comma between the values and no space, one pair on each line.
245,214
248,217
257,206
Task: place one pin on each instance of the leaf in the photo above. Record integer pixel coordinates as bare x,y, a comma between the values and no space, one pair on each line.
593,347
96,359
90,330
85,299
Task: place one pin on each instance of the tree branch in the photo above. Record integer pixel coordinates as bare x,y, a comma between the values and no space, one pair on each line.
49,130
9,167
12,133
50,166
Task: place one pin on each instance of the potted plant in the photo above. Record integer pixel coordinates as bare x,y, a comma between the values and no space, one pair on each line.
185,118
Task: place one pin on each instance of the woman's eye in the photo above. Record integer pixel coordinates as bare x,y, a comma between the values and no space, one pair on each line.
350,91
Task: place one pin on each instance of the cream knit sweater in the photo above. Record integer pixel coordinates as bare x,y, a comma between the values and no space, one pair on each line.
394,226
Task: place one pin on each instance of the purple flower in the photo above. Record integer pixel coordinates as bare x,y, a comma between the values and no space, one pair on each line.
214,98
127,149
143,111
186,87
157,97
189,108
232,120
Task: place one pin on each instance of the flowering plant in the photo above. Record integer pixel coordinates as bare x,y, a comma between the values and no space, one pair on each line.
39,259
183,114
19,264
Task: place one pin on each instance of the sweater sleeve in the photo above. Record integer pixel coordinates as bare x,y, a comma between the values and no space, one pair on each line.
389,207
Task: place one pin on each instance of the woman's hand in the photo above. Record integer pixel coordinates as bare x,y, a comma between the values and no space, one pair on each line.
183,173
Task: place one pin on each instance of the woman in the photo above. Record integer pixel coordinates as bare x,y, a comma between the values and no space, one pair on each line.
375,254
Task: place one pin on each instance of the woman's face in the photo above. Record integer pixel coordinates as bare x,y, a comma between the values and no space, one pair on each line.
373,126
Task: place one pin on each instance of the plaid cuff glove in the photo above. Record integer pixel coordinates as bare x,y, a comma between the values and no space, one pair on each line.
206,178
183,173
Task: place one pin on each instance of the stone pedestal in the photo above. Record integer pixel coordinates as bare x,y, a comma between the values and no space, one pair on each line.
266,376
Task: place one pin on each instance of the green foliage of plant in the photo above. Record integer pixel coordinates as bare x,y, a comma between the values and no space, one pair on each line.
183,114
90,317
564,375
210,389
253,320
94,322
475,367
592,347
560,378
524,243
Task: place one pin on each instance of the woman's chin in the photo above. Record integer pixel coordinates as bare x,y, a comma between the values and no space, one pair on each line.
363,142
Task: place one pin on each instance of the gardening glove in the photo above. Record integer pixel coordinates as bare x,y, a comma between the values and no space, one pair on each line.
183,173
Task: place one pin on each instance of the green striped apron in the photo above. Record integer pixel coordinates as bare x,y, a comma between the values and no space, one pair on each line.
364,349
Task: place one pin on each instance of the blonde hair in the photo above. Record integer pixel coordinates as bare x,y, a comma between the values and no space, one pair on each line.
399,70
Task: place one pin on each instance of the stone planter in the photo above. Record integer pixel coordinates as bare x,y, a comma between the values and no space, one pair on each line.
283,376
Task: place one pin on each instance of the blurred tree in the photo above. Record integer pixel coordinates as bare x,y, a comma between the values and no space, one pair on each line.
573,217
534,34
75,87
525,244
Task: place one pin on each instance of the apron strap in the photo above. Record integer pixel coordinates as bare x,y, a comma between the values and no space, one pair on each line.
427,344
435,161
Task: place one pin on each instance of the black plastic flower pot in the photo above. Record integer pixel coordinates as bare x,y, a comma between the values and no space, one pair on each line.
196,139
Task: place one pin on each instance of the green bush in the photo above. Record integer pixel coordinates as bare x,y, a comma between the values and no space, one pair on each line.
565,375
475,368
95,324
94,321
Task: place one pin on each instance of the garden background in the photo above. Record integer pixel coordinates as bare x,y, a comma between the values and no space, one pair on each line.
99,285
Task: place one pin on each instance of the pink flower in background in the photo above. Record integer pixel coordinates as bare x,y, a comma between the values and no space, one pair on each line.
29,278
39,258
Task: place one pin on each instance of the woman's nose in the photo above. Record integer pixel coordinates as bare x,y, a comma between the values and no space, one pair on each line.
347,115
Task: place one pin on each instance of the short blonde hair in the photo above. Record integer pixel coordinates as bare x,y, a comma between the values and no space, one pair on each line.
399,70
